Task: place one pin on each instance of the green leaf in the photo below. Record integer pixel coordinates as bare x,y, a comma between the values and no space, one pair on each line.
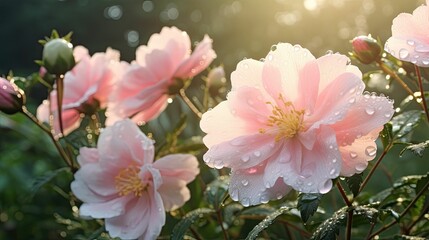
260,210
405,237
354,182
266,222
386,135
216,191
384,213
308,204
329,229
404,124
421,183
416,148
183,225
368,212
44,179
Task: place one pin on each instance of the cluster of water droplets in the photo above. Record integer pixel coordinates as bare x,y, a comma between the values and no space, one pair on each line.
419,55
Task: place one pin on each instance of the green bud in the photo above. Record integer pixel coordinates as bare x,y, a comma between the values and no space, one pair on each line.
366,49
58,56
12,98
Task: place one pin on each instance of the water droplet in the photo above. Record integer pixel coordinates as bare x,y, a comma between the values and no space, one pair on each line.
331,146
352,100
257,153
218,164
425,61
309,184
237,142
329,52
352,90
244,182
388,115
245,158
206,159
279,195
325,187
296,48
332,172
273,48
360,167
245,202
268,184
234,194
337,113
403,53
353,155
246,65
270,57
334,160
369,110
264,199
410,42
371,151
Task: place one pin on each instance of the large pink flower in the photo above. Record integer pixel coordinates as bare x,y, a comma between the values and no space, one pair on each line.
119,181
293,121
143,92
86,88
410,37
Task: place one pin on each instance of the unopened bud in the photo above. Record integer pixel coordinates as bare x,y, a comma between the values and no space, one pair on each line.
11,97
366,49
216,80
58,56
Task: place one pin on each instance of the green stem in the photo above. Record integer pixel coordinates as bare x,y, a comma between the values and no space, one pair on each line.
349,224
385,227
395,76
365,181
188,102
422,91
60,94
58,146
343,194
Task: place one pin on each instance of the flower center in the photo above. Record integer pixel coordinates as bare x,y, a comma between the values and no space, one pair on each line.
285,119
128,181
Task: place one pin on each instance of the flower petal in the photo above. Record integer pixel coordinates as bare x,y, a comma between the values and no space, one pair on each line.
87,156
179,166
108,209
174,193
247,73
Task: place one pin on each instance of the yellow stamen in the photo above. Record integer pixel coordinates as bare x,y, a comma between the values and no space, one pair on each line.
287,120
128,181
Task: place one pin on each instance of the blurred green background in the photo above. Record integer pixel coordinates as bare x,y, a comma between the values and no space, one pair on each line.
240,29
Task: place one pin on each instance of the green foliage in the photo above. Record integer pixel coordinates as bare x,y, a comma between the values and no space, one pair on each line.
266,222
308,204
404,123
217,191
44,179
182,227
329,229
354,182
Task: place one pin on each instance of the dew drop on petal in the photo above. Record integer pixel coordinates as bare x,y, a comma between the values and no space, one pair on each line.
245,202
245,158
403,53
369,110
371,151
257,153
353,155
325,187
218,164
264,199
234,194
332,172
244,182
425,61
352,100
279,195
388,115
360,167
270,57
410,42
334,160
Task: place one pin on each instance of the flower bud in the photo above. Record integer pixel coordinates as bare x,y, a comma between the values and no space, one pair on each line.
58,56
216,80
11,97
366,49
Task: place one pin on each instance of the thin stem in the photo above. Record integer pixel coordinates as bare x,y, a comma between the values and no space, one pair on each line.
395,76
58,146
349,224
365,181
60,93
385,227
343,194
220,221
422,92
188,102
370,230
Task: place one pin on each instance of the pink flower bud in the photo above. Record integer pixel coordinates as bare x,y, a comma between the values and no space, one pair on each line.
58,56
11,97
366,49
216,80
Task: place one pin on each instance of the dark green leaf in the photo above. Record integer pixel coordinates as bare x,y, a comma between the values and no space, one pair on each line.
416,148
182,227
260,210
384,213
386,135
266,222
216,191
42,180
354,183
308,204
405,237
404,124
329,229
368,212
421,183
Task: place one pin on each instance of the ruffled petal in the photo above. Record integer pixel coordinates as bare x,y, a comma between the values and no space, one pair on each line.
178,166
174,193
108,209
247,73
100,181
87,156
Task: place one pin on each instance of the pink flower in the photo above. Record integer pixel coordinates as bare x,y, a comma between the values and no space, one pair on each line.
293,121
165,62
119,181
410,37
12,98
86,88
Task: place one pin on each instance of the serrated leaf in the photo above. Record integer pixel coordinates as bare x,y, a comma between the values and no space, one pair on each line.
266,222
260,210
308,204
354,182
216,191
368,212
40,181
416,148
183,225
404,123
329,229
405,237
386,135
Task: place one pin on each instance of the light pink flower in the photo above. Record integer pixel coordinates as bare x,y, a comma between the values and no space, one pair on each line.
119,181
410,37
293,121
166,60
86,88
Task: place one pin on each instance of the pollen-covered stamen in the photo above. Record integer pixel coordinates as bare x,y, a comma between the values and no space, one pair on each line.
128,180
286,119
